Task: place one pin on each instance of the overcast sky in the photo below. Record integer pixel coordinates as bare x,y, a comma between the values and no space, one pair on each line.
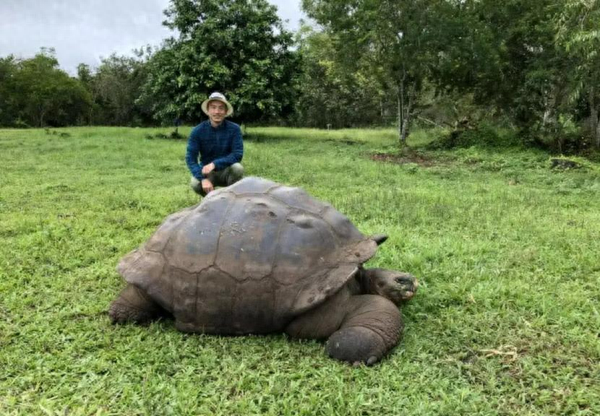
82,31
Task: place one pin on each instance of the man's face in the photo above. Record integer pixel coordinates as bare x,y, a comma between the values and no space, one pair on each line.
216,111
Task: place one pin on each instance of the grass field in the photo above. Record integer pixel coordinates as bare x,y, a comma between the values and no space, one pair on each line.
507,252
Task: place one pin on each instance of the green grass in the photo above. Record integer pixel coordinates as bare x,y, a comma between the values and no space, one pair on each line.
506,321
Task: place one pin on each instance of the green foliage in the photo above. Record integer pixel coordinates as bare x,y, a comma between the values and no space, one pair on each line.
397,42
238,47
528,61
504,56
34,92
331,94
530,64
115,87
483,135
8,91
514,55
505,321
117,84
578,34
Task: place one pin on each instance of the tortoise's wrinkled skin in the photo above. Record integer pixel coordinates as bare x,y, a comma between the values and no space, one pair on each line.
259,257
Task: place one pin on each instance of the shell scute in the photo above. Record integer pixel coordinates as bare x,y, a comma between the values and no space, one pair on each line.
297,198
249,237
192,246
306,246
160,238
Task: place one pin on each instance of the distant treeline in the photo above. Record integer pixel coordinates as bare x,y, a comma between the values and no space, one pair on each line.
530,64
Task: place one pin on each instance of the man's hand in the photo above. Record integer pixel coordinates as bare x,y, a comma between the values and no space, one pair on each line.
207,186
208,168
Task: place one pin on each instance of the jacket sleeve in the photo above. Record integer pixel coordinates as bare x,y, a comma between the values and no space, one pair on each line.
191,155
237,151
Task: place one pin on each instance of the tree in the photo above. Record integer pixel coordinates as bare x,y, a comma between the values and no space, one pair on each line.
8,91
528,80
535,61
332,95
45,95
398,41
238,47
578,32
117,85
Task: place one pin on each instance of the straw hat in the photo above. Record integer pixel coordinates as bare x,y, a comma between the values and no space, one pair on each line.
217,96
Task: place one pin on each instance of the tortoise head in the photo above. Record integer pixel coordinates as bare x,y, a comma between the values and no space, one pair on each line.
399,287
394,285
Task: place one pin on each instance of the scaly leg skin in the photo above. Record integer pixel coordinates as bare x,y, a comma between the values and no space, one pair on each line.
361,328
133,305
372,327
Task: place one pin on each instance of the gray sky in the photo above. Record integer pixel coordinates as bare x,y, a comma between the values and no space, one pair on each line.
82,31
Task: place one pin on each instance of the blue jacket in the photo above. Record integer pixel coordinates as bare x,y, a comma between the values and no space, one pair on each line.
222,146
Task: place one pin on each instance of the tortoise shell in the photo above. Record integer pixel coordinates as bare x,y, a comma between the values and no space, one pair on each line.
247,259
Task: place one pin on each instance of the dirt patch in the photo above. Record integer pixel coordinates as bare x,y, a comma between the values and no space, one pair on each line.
404,159
344,141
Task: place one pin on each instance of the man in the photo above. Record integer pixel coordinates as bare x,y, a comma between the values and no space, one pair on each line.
219,144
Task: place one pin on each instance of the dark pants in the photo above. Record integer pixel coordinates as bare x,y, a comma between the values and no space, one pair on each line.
225,177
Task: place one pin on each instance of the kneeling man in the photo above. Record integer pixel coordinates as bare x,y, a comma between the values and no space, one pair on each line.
219,144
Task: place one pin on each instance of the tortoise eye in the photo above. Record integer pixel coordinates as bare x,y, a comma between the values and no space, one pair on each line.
403,280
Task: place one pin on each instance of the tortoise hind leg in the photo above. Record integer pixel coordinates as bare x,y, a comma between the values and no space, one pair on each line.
372,327
133,305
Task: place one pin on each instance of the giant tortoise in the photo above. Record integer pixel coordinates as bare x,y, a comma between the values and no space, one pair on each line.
258,257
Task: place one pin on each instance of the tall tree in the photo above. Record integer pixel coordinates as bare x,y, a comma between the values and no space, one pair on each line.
8,91
578,32
397,40
117,85
332,95
46,94
505,54
86,77
529,78
238,47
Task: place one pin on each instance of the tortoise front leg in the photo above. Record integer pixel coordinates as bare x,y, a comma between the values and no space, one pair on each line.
133,305
360,328
372,327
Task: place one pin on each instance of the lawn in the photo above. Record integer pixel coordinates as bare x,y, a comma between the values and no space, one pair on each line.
506,249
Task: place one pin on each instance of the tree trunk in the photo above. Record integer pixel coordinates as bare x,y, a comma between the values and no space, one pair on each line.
400,111
549,116
550,121
41,118
595,125
406,121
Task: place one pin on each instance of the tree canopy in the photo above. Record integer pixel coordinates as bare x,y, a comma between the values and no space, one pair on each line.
35,92
238,47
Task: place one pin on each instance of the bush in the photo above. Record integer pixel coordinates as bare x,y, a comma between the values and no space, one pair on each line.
483,135
20,124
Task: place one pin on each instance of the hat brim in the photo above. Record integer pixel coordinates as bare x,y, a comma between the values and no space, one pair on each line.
205,105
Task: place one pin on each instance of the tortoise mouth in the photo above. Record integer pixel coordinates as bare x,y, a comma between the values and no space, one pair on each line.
408,295
407,286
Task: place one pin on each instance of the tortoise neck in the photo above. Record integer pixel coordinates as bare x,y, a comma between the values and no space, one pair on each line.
364,281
